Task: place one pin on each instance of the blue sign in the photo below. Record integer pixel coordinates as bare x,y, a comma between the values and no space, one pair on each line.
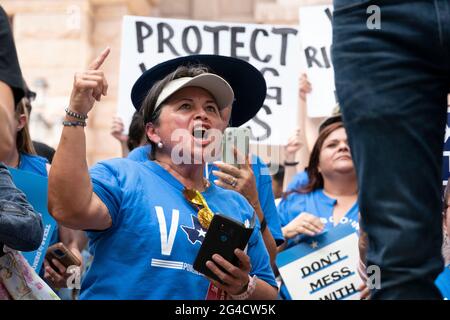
35,188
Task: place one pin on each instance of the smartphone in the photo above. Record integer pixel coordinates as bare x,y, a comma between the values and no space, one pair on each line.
224,235
238,138
60,252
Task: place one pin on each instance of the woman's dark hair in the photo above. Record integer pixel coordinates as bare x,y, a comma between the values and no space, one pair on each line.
315,178
148,105
136,131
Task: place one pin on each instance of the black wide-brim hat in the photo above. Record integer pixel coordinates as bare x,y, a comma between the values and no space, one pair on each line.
247,82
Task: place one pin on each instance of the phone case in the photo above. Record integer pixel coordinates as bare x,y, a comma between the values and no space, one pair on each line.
223,237
238,138
59,252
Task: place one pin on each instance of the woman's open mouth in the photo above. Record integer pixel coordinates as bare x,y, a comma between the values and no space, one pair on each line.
201,136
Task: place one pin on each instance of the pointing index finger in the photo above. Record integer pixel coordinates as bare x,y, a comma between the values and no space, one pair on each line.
100,59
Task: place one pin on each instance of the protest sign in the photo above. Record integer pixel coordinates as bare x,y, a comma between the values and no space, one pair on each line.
316,37
35,188
273,50
322,267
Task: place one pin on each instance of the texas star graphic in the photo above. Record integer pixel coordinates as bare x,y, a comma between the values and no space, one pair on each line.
197,233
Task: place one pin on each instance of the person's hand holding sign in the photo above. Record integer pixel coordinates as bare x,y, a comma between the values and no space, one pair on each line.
89,86
305,223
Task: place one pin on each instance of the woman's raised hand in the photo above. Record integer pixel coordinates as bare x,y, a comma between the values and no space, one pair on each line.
89,86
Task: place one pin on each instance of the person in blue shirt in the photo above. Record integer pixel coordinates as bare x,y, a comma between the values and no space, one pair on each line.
301,178
326,197
144,233
252,181
330,195
22,155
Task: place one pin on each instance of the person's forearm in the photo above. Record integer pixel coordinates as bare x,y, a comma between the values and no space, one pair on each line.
70,187
71,238
6,129
125,150
269,241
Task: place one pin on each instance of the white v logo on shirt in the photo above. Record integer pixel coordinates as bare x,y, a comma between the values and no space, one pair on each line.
167,241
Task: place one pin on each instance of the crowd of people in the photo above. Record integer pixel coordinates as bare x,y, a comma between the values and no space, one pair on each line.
134,218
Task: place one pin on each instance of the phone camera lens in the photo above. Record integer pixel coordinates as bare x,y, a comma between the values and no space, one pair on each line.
223,238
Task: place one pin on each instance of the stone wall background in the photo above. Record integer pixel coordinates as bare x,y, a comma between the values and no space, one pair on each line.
56,38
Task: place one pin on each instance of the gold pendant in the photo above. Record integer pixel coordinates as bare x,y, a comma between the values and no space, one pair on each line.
204,217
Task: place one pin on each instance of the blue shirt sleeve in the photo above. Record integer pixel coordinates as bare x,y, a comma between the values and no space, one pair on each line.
140,154
267,201
300,179
107,187
285,211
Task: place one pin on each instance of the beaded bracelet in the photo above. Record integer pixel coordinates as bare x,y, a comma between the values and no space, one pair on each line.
74,123
291,164
76,115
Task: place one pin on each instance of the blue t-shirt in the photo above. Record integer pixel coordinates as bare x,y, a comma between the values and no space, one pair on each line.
300,179
33,163
140,154
318,204
155,235
443,282
263,185
38,165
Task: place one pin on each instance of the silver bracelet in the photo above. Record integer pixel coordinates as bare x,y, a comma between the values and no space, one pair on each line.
76,115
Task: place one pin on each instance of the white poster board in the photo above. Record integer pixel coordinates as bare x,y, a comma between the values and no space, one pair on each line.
316,38
274,50
323,267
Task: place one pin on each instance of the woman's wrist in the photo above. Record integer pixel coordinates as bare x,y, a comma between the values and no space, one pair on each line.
249,288
287,232
289,157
